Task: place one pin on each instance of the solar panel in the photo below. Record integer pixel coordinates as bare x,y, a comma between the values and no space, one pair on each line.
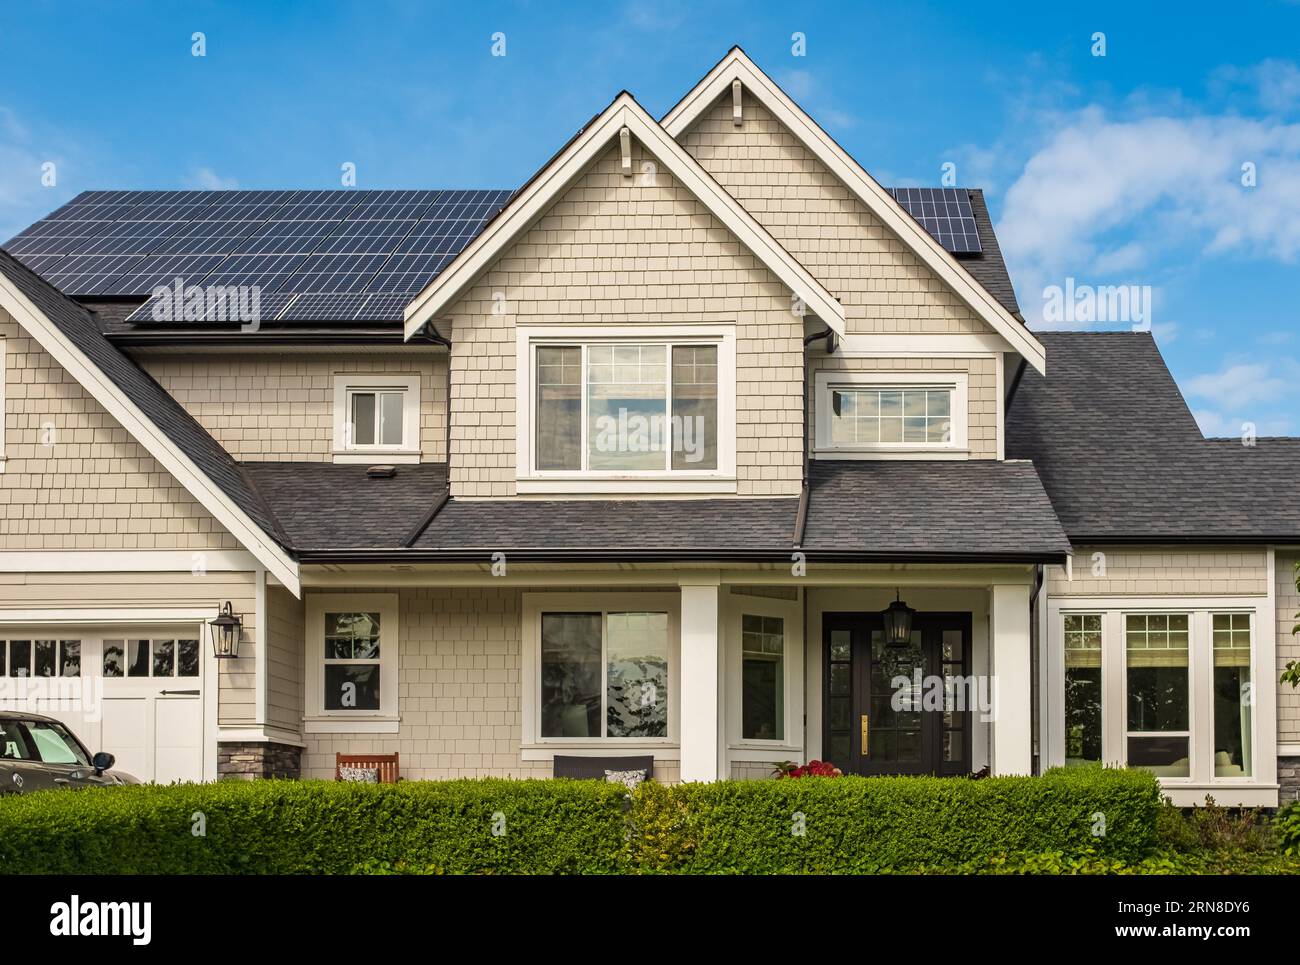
162,310
366,238
409,273
155,270
354,251
286,237
335,273
945,214
86,275
326,307
267,272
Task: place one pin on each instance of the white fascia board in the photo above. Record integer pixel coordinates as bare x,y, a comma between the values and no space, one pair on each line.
143,430
737,66
524,211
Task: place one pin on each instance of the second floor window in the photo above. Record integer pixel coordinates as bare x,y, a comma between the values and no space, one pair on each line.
626,407
375,417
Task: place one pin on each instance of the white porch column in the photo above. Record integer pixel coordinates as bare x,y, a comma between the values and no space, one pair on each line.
699,680
1013,733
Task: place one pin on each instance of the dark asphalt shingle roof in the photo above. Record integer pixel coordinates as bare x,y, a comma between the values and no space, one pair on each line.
634,526
1122,457
79,327
917,509
988,267
327,506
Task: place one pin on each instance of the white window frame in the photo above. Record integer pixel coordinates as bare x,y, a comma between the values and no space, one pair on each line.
1187,791
349,383
958,383
789,747
529,479
317,719
534,746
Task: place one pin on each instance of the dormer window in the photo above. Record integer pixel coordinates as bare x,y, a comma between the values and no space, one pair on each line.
650,411
376,415
891,415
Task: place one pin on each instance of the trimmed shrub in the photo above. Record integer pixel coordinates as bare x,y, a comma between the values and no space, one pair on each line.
864,825
1287,826
849,825
318,827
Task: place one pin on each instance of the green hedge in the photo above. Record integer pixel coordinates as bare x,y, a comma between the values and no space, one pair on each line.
856,825
311,827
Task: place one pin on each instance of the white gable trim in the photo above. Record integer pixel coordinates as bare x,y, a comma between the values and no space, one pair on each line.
737,66
537,196
146,433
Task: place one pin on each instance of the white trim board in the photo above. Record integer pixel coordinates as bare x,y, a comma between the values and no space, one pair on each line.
737,66
128,561
568,166
154,440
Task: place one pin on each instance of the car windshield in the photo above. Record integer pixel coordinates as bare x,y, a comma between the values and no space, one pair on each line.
54,744
13,742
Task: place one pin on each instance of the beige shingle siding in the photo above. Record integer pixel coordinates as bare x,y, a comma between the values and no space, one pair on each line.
281,407
284,654
614,250
1164,571
983,404
235,686
882,284
94,488
459,691
1288,645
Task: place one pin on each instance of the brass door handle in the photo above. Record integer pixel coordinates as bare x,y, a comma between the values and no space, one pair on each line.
865,725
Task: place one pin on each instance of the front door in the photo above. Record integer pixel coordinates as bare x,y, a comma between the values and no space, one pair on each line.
897,709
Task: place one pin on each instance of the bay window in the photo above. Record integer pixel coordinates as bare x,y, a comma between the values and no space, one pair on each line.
653,407
1169,689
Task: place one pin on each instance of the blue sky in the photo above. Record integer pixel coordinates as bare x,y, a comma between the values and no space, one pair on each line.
1123,169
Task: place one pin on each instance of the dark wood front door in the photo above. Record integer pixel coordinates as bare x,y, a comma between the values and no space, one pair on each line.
897,710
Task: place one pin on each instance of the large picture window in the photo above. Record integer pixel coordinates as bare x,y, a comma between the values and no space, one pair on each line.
604,675
626,409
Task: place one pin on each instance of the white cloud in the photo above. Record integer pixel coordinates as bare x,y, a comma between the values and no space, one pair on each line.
809,93
209,180
1105,196
1264,394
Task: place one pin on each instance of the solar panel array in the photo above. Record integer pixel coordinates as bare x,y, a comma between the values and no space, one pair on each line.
945,213
312,255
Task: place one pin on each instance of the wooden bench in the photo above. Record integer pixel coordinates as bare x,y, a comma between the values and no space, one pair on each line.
389,772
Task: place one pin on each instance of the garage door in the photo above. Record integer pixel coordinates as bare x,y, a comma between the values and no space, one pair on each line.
139,696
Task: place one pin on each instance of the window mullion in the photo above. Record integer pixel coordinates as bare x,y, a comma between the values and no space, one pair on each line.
582,428
670,438
604,674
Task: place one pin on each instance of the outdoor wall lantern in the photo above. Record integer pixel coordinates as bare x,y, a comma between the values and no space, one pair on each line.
898,622
225,634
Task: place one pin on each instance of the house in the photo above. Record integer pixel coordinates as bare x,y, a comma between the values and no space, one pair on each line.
700,445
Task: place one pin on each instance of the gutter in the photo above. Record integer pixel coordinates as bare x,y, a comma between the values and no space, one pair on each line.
483,555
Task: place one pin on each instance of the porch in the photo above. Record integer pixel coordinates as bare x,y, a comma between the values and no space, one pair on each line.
715,673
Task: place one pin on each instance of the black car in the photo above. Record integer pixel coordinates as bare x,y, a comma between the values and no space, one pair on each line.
39,753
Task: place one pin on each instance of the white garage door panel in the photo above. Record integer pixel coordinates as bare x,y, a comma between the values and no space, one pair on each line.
126,733
178,739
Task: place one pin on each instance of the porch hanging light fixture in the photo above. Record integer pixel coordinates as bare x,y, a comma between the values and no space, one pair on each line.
897,618
225,633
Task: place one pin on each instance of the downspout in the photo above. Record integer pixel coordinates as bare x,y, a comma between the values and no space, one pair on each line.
1035,661
429,333
801,517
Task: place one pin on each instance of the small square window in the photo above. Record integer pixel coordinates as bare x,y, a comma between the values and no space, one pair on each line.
376,414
